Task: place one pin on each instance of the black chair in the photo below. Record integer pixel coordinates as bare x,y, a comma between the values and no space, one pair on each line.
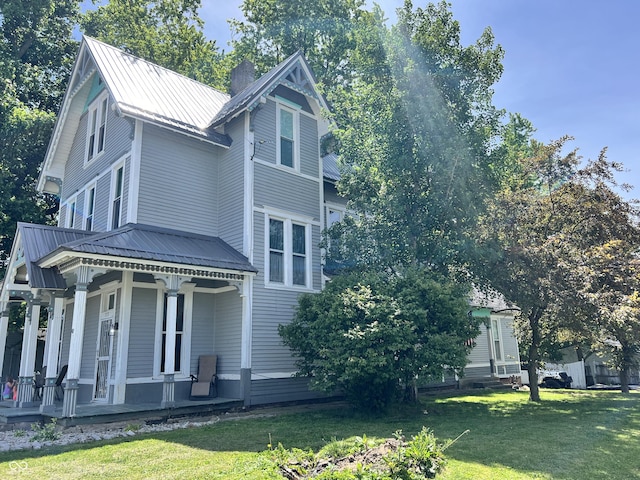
38,384
59,390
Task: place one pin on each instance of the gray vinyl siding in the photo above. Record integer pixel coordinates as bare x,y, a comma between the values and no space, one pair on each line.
309,149
142,333
117,143
89,345
103,195
202,324
510,344
271,308
483,371
231,188
282,390
480,353
228,332
265,132
178,182
277,188
331,196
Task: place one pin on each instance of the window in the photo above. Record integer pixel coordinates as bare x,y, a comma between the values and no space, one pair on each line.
276,251
287,131
71,214
179,333
97,120
116,204
89,208
495,331
288,259
333,216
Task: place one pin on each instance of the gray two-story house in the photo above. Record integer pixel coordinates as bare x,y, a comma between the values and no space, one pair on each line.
189,223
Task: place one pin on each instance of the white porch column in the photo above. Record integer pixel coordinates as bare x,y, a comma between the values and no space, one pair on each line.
54,331
4,324
122,339
246,340
28,355
75,346
168,390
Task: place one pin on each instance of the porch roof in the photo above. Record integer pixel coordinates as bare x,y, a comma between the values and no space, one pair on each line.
151,243
39,240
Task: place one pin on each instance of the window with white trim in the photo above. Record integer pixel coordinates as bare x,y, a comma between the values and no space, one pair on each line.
89,207
287,134
117,180
179,334
497,343
71,213
96,127
288,259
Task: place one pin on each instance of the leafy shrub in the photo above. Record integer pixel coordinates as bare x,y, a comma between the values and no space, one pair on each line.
362,458
45,433
370,335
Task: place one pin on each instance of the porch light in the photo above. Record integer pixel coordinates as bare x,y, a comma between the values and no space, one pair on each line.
113,329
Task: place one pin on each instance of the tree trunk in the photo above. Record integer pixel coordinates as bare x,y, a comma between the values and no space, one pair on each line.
624,379
534,348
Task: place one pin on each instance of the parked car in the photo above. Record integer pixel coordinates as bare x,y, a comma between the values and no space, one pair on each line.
554,379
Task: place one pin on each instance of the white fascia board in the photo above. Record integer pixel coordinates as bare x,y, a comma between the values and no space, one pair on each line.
65,256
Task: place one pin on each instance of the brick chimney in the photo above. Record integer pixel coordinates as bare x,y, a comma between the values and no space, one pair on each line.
242,76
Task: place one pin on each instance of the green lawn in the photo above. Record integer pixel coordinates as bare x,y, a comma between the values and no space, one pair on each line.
570,435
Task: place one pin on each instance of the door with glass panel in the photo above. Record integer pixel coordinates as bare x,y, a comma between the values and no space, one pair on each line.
106,330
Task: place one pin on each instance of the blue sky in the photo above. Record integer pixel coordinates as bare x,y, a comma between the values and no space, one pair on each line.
571,66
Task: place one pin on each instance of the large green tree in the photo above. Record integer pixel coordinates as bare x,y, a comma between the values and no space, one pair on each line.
166,32
540,227
415,132
322,29
36,55
611,276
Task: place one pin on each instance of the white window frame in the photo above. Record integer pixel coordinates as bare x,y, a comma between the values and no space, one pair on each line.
72,210
342,211
187,290
496,337
96,127
288,253
112,198
89,207
295,111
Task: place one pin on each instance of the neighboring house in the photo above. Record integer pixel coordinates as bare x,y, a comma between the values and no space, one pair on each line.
189,223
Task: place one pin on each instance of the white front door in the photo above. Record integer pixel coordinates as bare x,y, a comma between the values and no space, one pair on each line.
104,348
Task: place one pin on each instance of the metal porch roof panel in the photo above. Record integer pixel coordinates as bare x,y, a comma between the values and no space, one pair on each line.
155,92
330,169
40,240
145,242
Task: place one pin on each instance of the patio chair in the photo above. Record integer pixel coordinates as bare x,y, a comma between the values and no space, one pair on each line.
38,384
204,385
59,390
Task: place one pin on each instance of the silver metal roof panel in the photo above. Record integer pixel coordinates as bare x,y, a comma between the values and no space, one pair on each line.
155,93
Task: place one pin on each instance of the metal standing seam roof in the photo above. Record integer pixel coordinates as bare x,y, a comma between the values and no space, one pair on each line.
38,241
146,242
251,93
330,168
148,91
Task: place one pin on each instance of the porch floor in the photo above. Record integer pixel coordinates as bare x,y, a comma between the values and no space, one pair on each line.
95,413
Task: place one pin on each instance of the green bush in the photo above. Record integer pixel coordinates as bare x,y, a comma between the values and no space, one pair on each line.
371,335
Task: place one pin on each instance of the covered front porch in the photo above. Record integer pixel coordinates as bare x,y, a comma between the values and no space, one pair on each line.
129,313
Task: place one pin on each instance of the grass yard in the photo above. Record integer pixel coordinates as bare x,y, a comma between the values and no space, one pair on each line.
570,435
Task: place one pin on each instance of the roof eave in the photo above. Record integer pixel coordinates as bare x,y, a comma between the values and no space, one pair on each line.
63,256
